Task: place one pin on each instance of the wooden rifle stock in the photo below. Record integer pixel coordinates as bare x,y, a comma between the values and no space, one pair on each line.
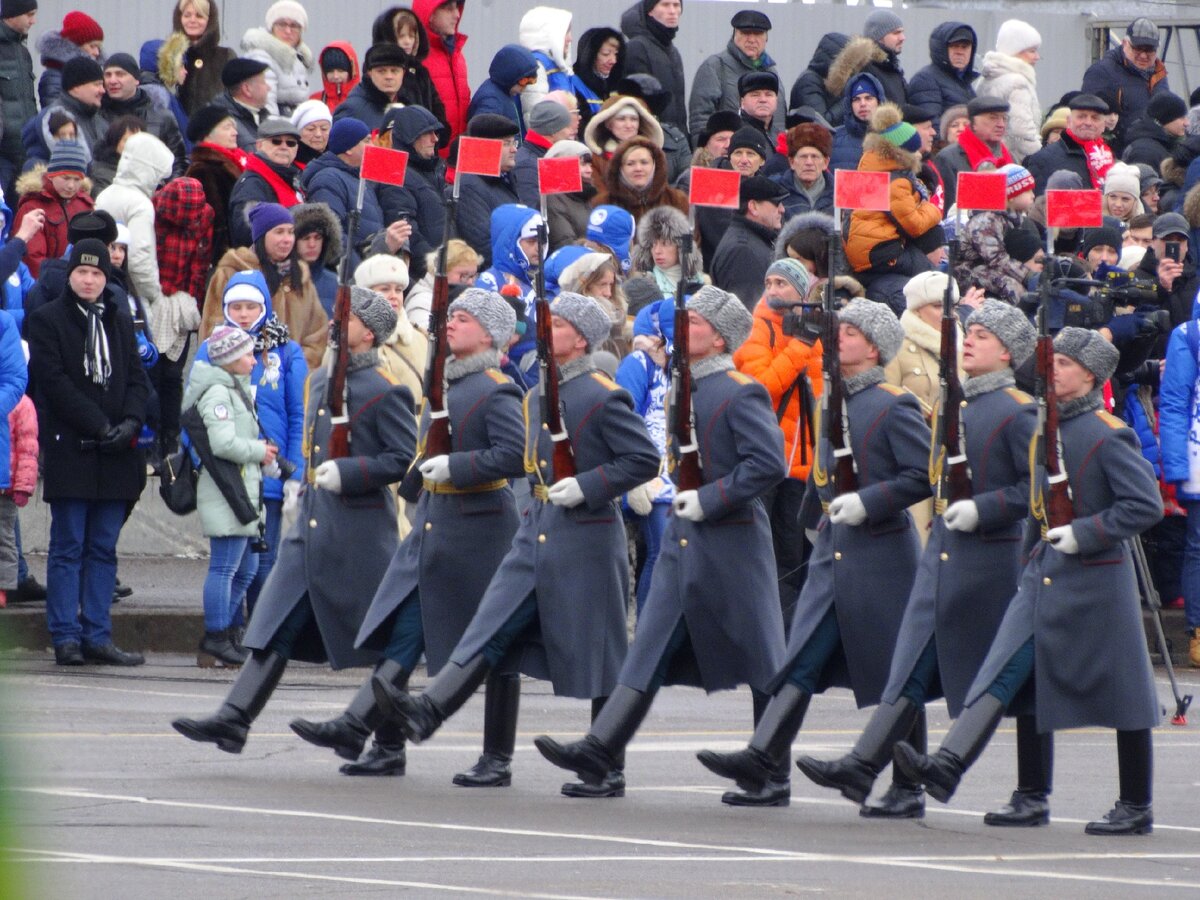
338,443
687,473
562,460
954,474
1058,508
844,476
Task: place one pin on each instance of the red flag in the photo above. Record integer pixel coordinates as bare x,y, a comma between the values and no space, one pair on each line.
1074,209
479,156
982,190
861,190
714,187
383,165
559,176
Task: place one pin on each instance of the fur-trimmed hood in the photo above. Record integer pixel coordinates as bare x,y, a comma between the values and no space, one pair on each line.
663,223
32,181
617,188
170,59
816,220
261,39
56,50
854,57
308,215
598,141
887,115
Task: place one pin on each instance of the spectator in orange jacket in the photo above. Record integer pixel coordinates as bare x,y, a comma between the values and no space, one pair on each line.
788,364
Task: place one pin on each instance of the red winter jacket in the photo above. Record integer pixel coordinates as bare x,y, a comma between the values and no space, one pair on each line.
23,443
333,94
183,227
51,242
448,69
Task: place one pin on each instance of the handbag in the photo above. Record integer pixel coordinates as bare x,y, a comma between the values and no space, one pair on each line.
177,483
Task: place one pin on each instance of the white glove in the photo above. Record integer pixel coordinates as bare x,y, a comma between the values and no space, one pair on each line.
437,469
291,497
962,515
687,506
847,509
566,493
271,469
811,534
641,498
328,477
1063,539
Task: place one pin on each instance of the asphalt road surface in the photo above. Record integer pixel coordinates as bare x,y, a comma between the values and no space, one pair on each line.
111,802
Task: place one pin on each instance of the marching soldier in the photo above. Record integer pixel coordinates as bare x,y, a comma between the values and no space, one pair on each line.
1074,630
429,593
345,533
967,576
864,557
712,618
556,606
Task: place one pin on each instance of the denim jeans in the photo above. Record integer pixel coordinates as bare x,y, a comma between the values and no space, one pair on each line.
653,526
231,568
1191,565
266,561
81,570
22,565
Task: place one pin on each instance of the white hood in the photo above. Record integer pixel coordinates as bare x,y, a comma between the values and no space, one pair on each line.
545,28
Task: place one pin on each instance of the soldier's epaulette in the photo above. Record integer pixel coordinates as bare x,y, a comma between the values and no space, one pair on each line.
606,381
739,377
391,379
1019,395
892,389
1109,419
497,376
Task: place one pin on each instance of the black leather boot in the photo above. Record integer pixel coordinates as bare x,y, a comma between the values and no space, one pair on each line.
1132,813
500,706
753,767
941,772
600,752
422,715
902,800
218,649
1124,818
346,734
777,791
854,774
386,755
229,727
1029,805
613,784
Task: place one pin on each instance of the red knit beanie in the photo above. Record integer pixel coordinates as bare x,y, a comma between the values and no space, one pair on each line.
80,28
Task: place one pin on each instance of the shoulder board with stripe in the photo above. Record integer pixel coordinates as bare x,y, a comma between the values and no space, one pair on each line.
739,377
1109,419
497,376
606,381
1020,396
892,389
388,376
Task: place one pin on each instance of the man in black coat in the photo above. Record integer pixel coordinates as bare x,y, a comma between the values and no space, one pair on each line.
1081,148
90,393
748,247
886,29
123,96
479,195
651,26
415,130
271,176
17,100
549,121
245,96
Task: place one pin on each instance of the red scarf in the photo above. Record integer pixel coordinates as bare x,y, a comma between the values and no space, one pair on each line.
978,152
1099,158
237,157
288,195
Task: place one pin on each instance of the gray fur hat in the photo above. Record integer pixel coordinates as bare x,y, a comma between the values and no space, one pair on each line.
663,223
586,315
1010,326
491,310
725,312
374,311
1090,350
878,323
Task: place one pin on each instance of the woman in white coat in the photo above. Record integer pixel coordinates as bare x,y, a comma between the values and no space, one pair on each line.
1008,74
289,61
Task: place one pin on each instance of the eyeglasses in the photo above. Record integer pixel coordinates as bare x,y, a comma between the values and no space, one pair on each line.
289,26
285,142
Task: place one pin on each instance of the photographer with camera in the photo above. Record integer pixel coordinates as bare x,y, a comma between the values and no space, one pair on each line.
783,354
1170,263
219,390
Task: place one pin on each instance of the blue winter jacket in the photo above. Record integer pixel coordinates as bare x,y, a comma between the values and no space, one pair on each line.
13,378
13,272
848,138
510,64
509,265
278,379
1175,396
329,180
